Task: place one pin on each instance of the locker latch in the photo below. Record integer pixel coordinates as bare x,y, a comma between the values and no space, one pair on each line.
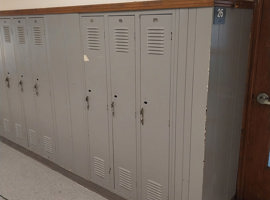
113,108
21,85
87,102
142,116
36,89
7,82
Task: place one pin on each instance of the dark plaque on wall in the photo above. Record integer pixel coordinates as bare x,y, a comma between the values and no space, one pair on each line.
219,15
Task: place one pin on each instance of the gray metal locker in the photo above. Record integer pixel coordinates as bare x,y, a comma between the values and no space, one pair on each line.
122,67
93,33
57,67
76,77
44,135
17,127
155,104
21,51
67,69
4,103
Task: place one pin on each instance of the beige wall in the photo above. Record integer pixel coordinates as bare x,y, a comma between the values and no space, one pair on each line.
26,4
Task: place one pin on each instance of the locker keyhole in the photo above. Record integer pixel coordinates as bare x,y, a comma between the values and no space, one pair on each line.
145,102
89,90
115,96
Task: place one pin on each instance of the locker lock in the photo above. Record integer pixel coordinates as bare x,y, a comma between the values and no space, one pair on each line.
7,82
36,89
21,85
87,102
142,116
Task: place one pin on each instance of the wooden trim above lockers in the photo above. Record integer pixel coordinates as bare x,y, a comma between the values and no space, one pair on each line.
249,4
130,6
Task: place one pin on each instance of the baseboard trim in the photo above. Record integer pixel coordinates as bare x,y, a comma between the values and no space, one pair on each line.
83,182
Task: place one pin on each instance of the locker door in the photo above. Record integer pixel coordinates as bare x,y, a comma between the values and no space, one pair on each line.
155,103
75,68
44,136
122,61
57,66
21,50
4,103
95,72
17,127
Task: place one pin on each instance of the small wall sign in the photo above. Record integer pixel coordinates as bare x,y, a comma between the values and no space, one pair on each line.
219,15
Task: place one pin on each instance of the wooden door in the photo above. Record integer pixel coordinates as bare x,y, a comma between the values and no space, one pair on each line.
254,179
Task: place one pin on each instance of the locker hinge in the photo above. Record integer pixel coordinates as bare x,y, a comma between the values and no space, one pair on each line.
169,123
104,34
171,35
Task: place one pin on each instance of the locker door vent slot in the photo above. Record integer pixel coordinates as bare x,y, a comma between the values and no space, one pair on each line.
33,138
38,39
93,38
153,190
155,41
21,35
18,129
121,40
48,145
6,125
125,179
7,34
99,167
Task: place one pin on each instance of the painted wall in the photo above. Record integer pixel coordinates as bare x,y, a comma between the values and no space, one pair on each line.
227,89
27,4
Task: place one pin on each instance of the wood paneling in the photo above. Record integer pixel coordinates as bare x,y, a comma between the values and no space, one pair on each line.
144,5
236,4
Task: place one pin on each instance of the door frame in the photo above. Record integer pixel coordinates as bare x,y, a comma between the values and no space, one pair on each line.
253,62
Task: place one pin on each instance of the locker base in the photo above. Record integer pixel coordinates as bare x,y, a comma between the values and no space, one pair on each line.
85,183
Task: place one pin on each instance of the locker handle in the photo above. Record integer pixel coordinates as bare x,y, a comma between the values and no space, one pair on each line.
36,89
142,116
113,108
7,82
87,101
21,84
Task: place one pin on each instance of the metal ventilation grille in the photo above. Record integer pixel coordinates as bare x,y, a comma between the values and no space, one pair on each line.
99,167
154,190
121,40
48,145
93,38
33,138
21,35
18,129
155,41
7,35
6,125
125,179
37,33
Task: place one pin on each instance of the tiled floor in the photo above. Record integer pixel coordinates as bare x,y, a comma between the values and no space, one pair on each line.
22,178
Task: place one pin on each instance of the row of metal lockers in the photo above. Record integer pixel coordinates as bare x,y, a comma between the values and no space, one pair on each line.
94,93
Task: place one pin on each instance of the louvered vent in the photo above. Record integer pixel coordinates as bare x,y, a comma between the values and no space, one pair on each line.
48,145
93,38
18,129
155,41
7,35
99,167
154,190
21,35
121,40
125,179
6,125
37,33
33,138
